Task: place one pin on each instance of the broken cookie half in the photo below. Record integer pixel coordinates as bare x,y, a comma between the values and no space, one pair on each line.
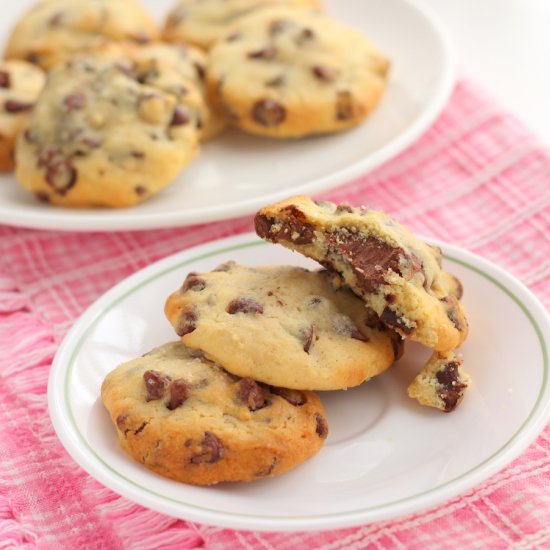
397,275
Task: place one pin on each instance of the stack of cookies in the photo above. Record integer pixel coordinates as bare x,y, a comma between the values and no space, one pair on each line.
122,113
233,399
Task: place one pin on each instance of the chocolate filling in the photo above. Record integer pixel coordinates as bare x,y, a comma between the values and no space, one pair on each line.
451,388
292,228
391,319
369,257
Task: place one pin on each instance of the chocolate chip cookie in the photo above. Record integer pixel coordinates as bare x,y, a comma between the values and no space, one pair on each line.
189,62
282,72
103,134
53,30
284,326
399,276
187,419
203,22
20,85
441,383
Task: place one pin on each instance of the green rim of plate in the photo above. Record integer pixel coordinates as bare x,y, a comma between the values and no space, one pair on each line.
82,339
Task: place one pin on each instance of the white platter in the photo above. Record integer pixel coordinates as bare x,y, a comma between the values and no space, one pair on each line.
385,455
236,174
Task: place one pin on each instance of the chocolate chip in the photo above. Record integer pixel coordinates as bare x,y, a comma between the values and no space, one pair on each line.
187,323
452,389
141,37
294,397
225,267
193,282
233,37
243,304
356,334
56,19
155,384
280,25
305,36
121,421
180,116
268,112
324,73
397,345
276,82
321,426
390,298
61,175
42,196
15,106
345,106
269,52
293,227
372,320
307,336
91,141
33,57
212,450
5,79
369,257
74,101
393,320
179,392
29,136
268,470
251,394
140,190
344,208
200,70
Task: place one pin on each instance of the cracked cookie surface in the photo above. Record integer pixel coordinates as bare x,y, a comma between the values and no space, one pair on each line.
187,419
283,325
104,134
53,30
397,275
291,73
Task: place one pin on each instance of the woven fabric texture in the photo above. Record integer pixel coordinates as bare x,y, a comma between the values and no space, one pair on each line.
477,179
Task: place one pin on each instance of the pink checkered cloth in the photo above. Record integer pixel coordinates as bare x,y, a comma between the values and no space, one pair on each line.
478,178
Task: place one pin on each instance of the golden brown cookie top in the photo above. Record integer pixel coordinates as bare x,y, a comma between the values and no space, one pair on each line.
187,418
53,30
203,22
283,325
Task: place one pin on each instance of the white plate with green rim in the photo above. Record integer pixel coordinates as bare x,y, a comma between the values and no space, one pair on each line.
385,455
236,173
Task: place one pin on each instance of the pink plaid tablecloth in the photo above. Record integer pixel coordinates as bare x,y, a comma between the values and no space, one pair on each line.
478,178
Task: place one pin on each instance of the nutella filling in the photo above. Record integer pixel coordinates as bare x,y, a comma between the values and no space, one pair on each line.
369,257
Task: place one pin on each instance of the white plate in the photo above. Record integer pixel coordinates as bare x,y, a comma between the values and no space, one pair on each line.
236,174
385,455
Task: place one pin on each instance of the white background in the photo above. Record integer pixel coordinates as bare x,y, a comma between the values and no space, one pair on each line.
505,45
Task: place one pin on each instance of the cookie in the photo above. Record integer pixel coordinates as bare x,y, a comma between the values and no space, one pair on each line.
104,135
20,85
203,22
187,61
399,276
441,383
187,419
284,326
53,30
282,72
